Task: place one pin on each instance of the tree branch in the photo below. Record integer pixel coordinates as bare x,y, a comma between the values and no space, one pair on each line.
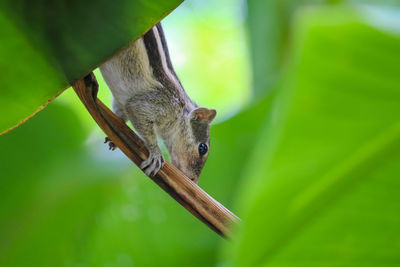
169,178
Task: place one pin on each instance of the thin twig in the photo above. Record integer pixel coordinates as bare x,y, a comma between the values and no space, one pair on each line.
169,178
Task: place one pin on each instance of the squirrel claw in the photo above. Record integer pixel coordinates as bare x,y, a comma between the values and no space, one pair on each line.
152,165
111,145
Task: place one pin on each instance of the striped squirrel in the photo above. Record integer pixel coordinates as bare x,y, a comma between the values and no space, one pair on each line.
147,91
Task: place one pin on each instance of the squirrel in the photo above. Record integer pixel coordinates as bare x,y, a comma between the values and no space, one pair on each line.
147,91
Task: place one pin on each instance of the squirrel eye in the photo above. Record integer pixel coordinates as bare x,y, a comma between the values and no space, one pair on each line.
203,149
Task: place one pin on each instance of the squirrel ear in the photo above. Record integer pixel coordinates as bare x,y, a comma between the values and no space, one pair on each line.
203,114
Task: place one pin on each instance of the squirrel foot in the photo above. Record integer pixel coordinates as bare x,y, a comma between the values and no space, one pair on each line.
153,163
111,145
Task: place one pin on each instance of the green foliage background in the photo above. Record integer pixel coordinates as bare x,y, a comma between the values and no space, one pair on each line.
307,153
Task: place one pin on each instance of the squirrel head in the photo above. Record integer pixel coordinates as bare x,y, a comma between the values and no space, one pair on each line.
189,151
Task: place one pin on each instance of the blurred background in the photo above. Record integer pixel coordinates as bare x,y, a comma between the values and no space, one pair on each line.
305,148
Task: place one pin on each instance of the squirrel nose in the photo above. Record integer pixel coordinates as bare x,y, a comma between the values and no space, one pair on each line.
191,176
194,179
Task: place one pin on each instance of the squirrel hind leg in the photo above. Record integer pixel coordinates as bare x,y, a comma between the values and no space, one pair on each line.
119,110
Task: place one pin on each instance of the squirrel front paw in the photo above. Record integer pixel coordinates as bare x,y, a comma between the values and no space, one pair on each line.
153,163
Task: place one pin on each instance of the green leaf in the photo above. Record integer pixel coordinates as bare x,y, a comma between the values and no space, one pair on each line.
231,145
47,45
268,24
325,183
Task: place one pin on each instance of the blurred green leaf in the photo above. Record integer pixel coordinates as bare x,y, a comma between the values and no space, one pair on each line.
47,45
49,194
268,26
326,192
231,145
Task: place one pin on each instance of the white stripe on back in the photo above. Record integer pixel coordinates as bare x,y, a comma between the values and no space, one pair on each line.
164,59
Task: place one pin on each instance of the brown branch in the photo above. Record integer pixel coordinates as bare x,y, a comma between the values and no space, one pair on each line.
169,178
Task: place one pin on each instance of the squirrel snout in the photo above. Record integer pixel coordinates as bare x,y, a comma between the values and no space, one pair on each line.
194,179
186,169
189,174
